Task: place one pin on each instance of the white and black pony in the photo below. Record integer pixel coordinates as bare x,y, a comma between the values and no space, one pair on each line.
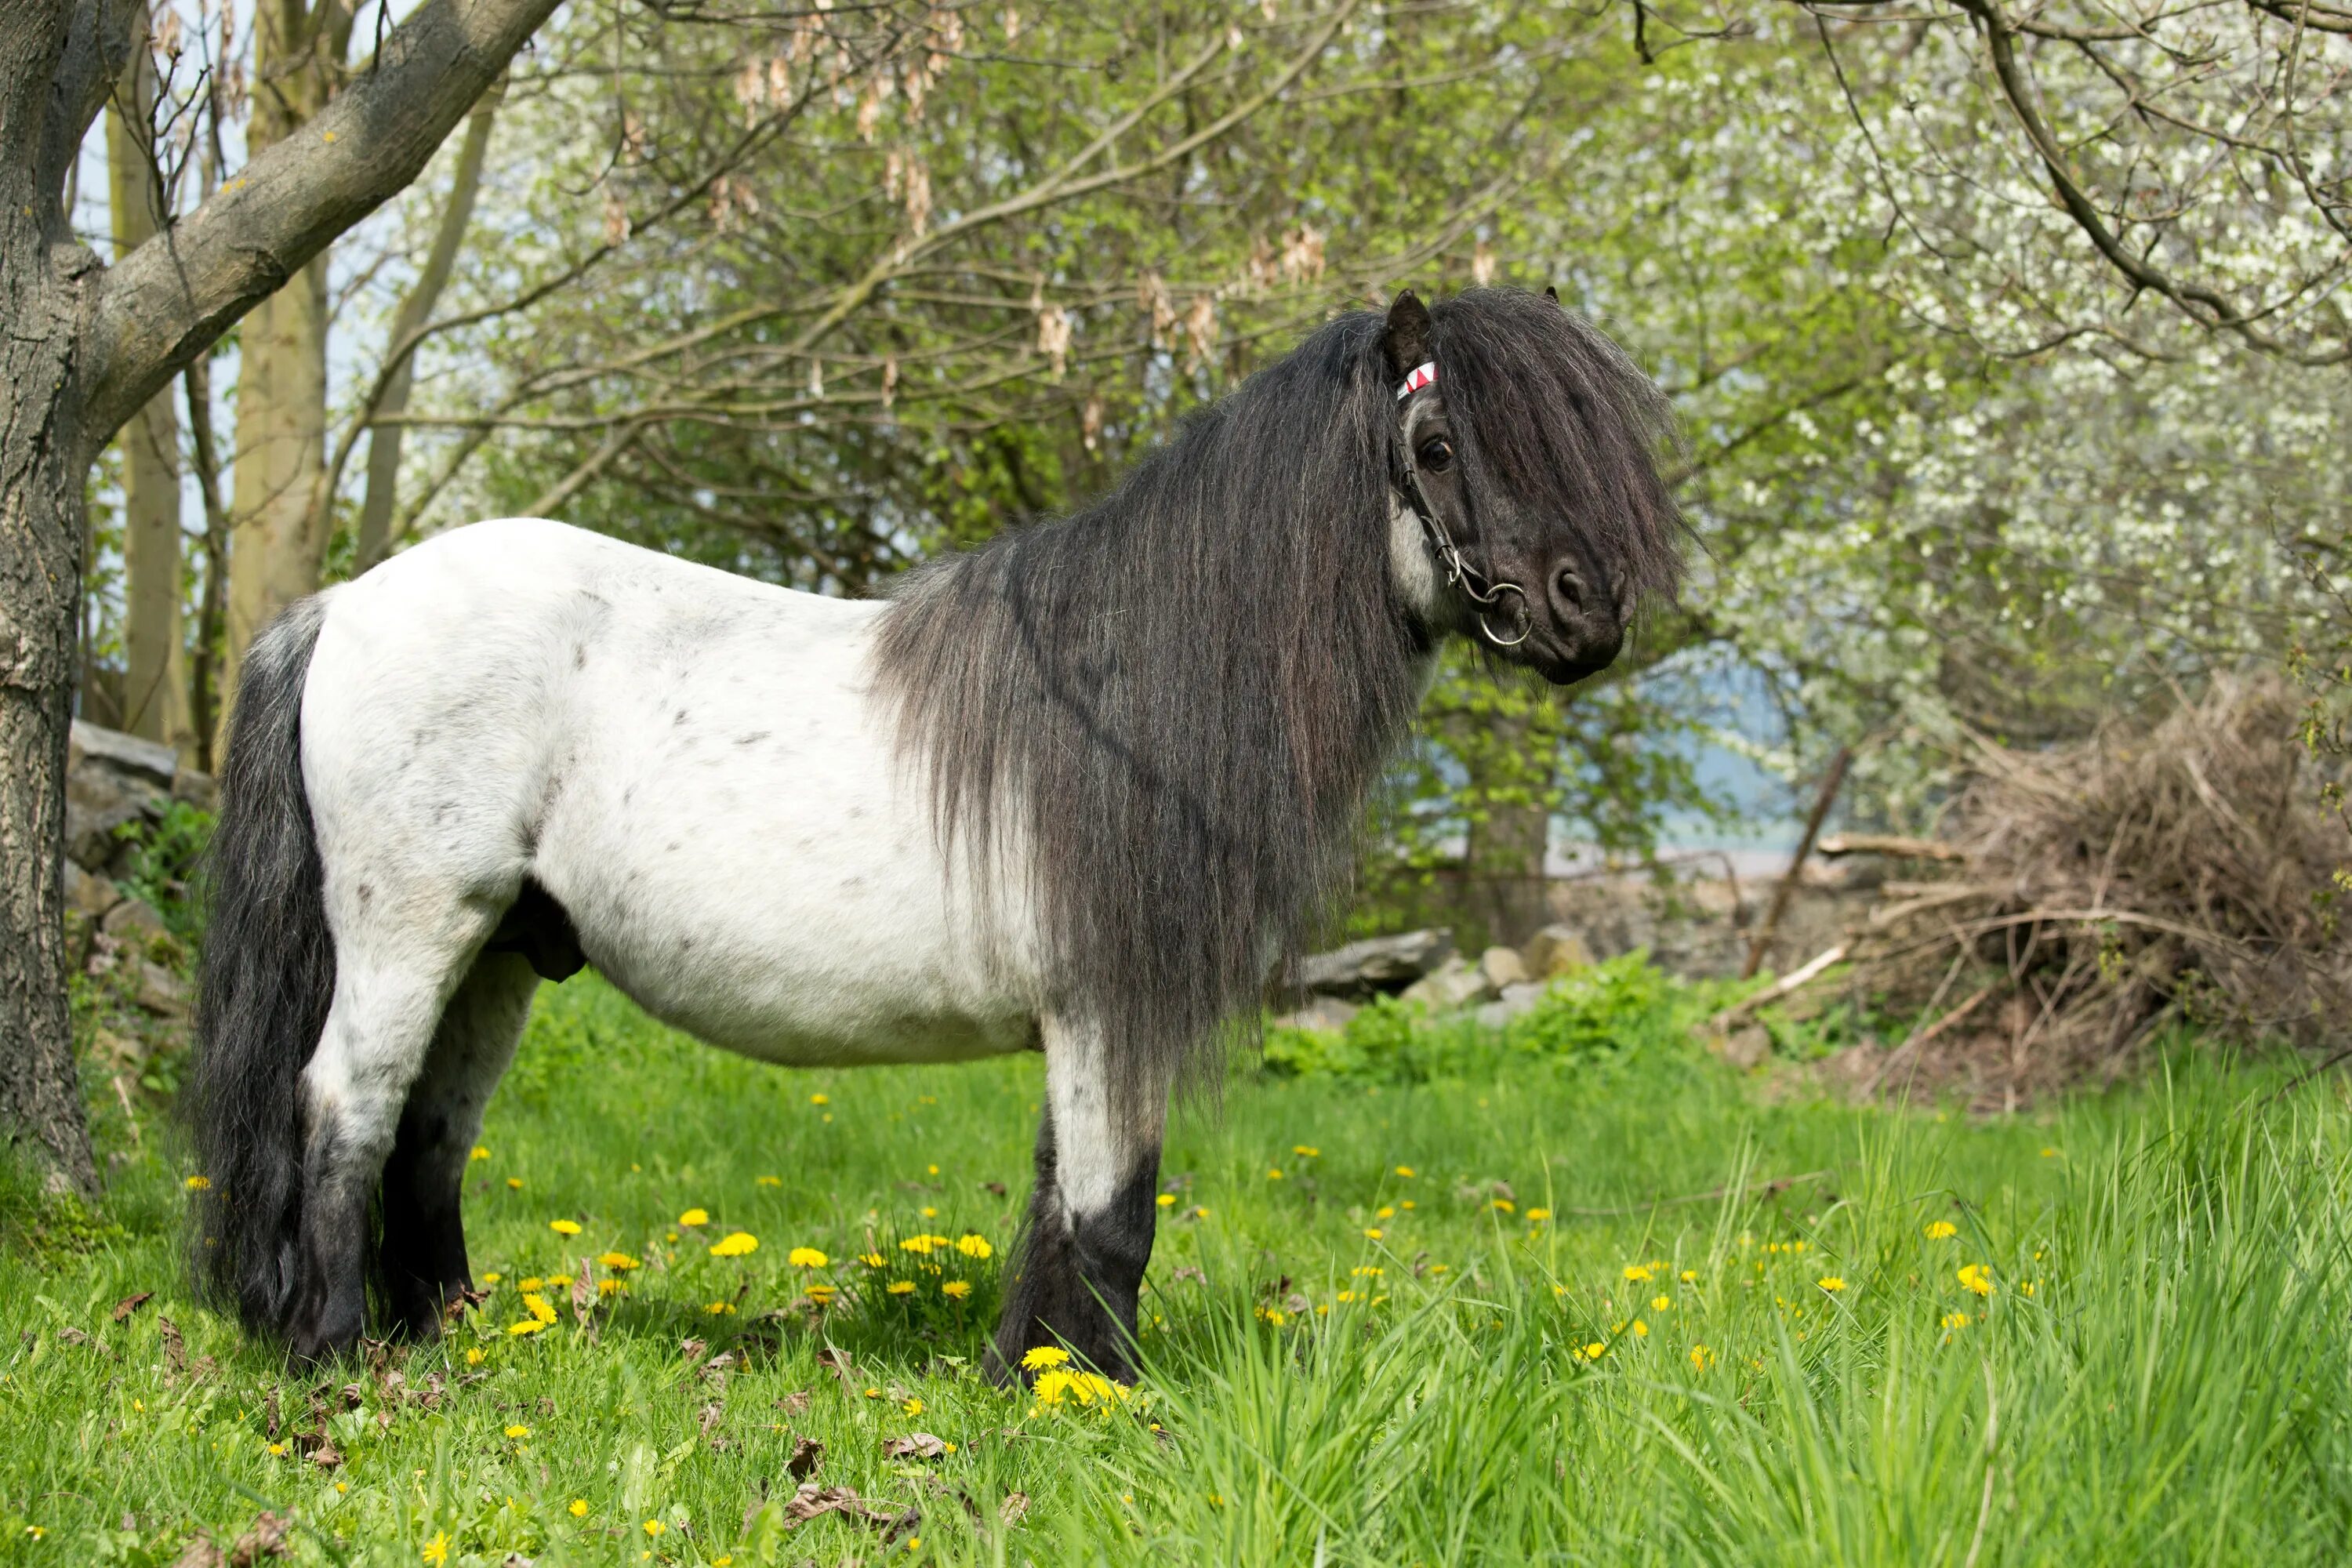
1080,790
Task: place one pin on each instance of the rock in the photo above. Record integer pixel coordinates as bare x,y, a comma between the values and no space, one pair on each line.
1744,1048
134,922
197,788
159,991
111,778
1323,1014
1555,950
1452,985
1378,964
93,896
1502,967
1516,1001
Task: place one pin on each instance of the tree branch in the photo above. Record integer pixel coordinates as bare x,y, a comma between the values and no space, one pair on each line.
169,299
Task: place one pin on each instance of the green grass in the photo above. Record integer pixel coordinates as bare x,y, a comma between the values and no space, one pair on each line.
2174,1388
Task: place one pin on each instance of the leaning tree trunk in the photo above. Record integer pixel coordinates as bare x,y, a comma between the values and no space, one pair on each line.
43,277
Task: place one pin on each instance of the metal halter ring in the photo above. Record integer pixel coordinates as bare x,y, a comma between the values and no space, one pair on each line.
1482,591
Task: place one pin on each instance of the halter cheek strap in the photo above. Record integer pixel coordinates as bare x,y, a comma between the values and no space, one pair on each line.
1482,591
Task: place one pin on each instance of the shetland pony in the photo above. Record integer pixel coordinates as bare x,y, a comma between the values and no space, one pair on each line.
1079,790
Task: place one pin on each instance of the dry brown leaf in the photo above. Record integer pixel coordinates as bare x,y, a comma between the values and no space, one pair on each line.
1014,1509
265,1538
913,1446
200,1553
175,1351
837,1362
583,1291
692,1349
807,1455
795,1403
709,1417
130,1304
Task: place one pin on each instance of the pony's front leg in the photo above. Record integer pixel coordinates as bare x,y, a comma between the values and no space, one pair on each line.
1080,1263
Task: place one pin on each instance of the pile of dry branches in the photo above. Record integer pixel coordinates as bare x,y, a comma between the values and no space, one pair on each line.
2085,896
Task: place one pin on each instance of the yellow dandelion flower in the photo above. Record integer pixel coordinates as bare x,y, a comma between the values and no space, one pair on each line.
1538,1215
652,1527
620,1262
930,1212
480,1152
1405,1171
580,1508
772,1181
806,1257
1661,1304
821,1295
518,1431
693,1217
1061,1386
436,1551
473,1356
1637,1274
974,1246
538,1307
1166,1200
2050,1153
1976,1276
1307,1151
528,1326
721,1309
1044,1358
492,1278
912,1406
1384,1211
277,1450
1940,1230
199,1184
872,1259
1505,1205
1641,1330
819,1100
514,1184
611,1287
560,1282
1367,1270
1372,1233
1690,1275
1701,1358
1953,1320
1345,1296
735,1243
901,1287
533,1283
1832,1283
1595,1351
956,1288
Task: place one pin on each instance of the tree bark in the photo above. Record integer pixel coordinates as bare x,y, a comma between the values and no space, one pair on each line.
154,685
81,348
416,312
280,539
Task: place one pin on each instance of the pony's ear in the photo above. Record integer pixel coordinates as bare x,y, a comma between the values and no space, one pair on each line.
1406,341
1551,293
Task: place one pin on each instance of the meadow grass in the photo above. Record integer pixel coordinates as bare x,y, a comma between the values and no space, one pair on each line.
1628,1352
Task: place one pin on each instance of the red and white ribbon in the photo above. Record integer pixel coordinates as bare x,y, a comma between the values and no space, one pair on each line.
1422,375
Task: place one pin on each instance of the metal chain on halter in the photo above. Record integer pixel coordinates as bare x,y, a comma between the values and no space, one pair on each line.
1482,591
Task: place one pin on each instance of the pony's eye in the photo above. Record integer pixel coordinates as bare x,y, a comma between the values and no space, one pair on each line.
1437,454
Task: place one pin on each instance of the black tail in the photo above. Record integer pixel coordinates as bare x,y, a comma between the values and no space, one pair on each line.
267,976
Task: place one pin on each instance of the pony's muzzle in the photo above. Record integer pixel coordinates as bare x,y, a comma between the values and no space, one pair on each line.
1586,629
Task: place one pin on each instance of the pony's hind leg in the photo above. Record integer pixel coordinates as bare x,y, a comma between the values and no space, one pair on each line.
1088,1236
422,1261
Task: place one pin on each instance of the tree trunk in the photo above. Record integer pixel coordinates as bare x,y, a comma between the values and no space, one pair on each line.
281,542
155,682
374,536
1505,881
44,280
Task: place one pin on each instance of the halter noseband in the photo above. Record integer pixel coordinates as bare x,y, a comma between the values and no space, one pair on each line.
1485,591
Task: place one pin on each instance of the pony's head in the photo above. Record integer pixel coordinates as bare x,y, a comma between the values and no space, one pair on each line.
1524,465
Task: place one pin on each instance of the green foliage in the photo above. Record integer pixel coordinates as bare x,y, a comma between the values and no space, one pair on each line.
1623,1011
1469,1386
163,864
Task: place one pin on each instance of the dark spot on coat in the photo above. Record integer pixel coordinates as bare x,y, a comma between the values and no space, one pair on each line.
366,893
753,738
580,656
680,717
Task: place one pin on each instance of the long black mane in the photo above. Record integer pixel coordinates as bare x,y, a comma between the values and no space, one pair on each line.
1167,710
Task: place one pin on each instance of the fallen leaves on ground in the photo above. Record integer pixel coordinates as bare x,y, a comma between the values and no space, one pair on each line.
913,1446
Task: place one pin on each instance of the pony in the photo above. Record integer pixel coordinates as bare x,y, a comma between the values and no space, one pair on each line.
1080,790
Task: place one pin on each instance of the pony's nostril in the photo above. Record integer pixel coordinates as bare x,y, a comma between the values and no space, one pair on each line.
1571,588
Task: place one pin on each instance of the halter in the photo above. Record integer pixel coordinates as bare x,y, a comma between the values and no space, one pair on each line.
1485,591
